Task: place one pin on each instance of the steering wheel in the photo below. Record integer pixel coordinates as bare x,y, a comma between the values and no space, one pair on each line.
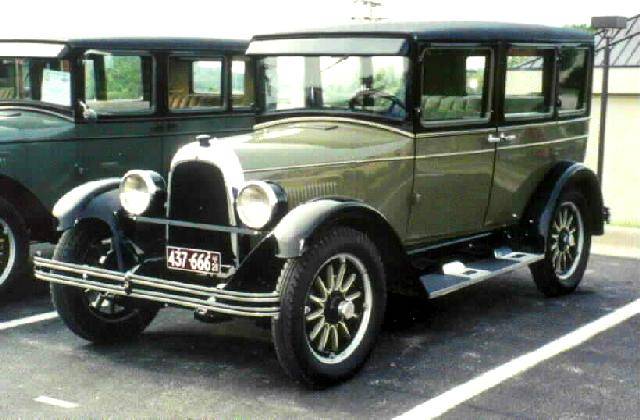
359,98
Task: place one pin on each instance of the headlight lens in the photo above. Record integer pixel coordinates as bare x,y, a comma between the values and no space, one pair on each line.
257,203
138,189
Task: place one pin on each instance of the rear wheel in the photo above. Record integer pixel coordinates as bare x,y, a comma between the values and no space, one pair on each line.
568,247
14,247
96,316
332,307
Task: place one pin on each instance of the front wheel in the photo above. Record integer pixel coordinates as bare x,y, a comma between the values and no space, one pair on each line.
95,316
567,249
331,310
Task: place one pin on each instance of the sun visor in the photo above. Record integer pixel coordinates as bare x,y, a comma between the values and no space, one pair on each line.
31,49
329,46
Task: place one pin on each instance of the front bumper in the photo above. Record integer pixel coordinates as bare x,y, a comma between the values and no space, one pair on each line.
130,284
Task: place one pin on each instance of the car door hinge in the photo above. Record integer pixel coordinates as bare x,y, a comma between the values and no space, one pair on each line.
415,198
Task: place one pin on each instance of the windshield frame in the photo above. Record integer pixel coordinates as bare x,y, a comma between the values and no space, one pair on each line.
66,111
265,115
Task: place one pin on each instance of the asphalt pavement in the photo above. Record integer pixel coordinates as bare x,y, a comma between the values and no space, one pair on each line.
183,368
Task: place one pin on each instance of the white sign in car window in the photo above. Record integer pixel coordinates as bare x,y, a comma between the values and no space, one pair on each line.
56,87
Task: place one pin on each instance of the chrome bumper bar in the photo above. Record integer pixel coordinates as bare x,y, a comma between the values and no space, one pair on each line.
134,285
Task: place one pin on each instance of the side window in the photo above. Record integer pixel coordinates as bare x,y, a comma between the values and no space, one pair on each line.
195,83
528,82
242,83
119,84
455,85
572,80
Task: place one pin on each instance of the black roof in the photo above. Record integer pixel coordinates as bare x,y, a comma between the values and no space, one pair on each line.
144,43
449,31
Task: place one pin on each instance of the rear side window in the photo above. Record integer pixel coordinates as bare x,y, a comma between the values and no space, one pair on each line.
528,82
455,85
572,80
119,84
242,83
195,83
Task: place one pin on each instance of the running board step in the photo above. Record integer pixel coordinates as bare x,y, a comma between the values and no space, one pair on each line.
458,275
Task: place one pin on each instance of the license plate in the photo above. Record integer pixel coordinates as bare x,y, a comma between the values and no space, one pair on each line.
193,260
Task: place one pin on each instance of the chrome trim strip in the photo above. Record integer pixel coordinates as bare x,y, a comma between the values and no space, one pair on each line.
542,143
456,133
203,226
333,119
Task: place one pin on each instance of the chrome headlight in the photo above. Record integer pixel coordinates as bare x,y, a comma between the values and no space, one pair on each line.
259,203
139,190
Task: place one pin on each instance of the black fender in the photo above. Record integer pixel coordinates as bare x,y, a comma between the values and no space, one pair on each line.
293,231
95,200
540,209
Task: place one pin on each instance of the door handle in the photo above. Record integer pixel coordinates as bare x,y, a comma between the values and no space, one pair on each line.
508,137
494,139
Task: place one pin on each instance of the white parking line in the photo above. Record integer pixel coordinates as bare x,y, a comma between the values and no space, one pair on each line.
28,320
461,393
55,402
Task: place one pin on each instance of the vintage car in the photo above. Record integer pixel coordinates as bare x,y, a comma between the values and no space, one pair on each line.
394,158
86,109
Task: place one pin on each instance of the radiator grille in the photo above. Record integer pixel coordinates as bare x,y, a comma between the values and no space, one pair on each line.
198,195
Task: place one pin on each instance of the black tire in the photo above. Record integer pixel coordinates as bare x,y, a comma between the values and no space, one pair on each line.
548,274
353,250
73,305
14,247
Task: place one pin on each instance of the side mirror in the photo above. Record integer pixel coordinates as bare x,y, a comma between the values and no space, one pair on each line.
88,113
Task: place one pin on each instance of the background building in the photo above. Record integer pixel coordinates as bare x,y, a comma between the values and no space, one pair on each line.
622,155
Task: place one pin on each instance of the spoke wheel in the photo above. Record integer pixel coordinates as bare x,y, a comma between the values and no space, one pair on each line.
568,247
566,240
96,316
7,250
332,304
338,308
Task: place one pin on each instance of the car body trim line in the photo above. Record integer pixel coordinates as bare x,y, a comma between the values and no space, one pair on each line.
455,133
543,124
323,164
333,119
470,152
542,143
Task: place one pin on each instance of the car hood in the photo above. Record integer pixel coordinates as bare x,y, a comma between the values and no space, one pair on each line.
296,144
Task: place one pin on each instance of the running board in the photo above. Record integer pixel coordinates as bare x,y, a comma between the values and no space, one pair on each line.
458,275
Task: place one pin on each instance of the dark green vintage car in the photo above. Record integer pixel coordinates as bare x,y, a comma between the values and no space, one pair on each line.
395,158
86,109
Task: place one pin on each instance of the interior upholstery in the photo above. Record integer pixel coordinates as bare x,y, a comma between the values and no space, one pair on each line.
181,101
436,107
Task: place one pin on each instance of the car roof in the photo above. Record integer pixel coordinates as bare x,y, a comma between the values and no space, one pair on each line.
146,43
448,31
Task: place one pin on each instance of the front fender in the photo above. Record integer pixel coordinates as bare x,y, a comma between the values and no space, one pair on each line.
297,226
93,200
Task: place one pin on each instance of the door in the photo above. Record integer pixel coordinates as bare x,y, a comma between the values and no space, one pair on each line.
455,152
212,94
527,134
119,88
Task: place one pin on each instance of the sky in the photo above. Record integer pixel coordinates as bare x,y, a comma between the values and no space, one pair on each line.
242,18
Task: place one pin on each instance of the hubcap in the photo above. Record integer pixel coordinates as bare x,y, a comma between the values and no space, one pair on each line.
567,240
338,308
7,250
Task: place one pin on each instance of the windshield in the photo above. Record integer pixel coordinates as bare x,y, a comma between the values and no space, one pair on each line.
35,80
369,84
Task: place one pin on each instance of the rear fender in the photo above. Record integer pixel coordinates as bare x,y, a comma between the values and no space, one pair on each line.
540,210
